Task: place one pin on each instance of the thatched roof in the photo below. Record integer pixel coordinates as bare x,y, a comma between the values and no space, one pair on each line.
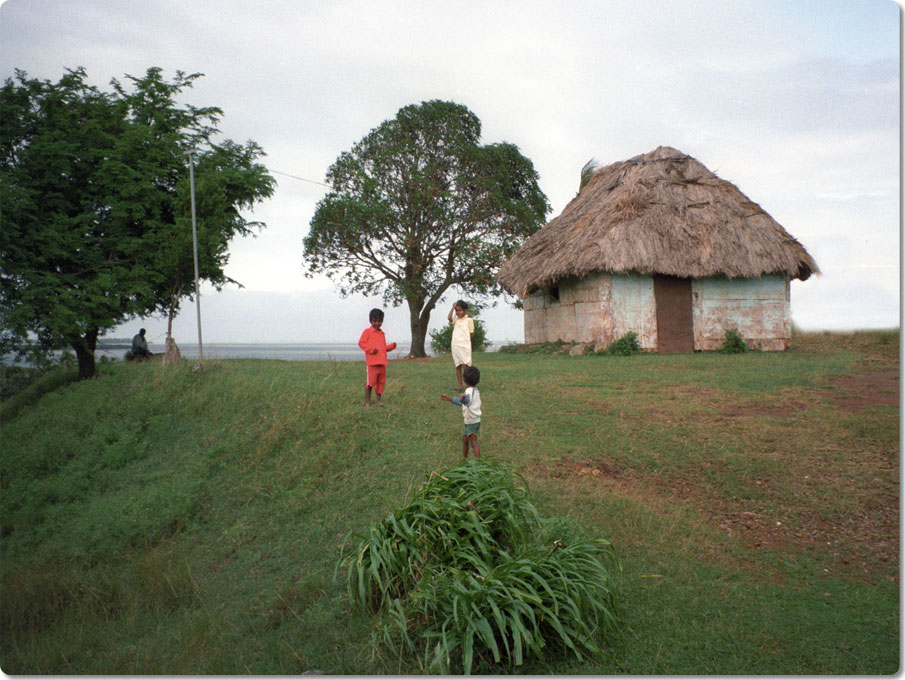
658,213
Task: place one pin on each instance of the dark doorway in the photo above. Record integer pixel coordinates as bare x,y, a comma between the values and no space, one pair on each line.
675,333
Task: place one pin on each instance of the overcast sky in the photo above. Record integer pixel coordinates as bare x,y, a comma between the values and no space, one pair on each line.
796,102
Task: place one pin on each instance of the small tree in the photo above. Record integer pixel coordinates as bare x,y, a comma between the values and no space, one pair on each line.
734,343
94,194
418,206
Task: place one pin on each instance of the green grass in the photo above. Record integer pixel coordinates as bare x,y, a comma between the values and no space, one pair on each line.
158,520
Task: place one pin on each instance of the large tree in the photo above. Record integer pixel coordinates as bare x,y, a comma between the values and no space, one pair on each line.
95,205
419,206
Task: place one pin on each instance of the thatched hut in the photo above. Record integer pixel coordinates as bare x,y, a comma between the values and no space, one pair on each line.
661,246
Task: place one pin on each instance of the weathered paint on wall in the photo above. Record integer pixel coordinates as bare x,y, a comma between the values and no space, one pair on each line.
757,308
597,309
602,308
634,309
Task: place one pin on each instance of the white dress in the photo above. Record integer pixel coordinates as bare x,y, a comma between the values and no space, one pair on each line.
461,340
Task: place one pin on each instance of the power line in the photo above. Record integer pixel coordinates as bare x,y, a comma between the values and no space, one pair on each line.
277,172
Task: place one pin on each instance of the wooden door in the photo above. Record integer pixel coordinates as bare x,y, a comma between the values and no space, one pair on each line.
675,332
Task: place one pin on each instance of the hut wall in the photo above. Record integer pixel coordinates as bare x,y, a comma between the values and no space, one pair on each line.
596,309
601,308
758,308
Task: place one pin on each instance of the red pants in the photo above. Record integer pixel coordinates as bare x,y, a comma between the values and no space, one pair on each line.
377,378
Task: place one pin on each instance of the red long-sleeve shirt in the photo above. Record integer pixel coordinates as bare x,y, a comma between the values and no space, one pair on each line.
371,339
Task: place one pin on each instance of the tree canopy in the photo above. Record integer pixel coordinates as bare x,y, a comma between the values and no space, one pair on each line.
418,206
95,200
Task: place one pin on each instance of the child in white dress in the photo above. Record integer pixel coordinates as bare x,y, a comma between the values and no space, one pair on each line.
463,332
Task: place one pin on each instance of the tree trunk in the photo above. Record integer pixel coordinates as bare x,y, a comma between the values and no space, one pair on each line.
174,302
84,352
419,329
419,320
170,316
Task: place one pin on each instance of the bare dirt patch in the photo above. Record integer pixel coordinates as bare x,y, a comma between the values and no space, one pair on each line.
863,543
855,392
780,411
599,469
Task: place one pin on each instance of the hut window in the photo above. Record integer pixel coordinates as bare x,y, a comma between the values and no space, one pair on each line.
553,292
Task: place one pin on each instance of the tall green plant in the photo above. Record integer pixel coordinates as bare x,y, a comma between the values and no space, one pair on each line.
460,577
548,599
462,518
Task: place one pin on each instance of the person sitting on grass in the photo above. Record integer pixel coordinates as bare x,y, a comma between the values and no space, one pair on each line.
470,401
140,346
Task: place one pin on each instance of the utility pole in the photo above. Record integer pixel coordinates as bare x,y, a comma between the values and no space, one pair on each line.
190,153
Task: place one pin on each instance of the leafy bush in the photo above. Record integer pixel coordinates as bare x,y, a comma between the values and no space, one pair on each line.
734,343
546,598
461,518
441,339
626,345
460,576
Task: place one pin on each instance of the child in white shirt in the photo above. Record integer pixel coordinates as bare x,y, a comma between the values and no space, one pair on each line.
470,401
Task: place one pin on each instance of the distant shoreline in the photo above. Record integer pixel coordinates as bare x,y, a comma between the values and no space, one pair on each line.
116,348
302,351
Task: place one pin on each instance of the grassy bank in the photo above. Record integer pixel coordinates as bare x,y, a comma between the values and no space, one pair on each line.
160,520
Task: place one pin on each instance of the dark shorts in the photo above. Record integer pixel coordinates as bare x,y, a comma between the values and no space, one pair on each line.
472,428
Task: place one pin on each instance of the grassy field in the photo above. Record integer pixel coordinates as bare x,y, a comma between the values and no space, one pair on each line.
160,520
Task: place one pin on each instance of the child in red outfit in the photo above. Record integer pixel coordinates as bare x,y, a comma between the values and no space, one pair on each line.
373,343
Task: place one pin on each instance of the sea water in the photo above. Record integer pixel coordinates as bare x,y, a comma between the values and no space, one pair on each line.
240,350
284,352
